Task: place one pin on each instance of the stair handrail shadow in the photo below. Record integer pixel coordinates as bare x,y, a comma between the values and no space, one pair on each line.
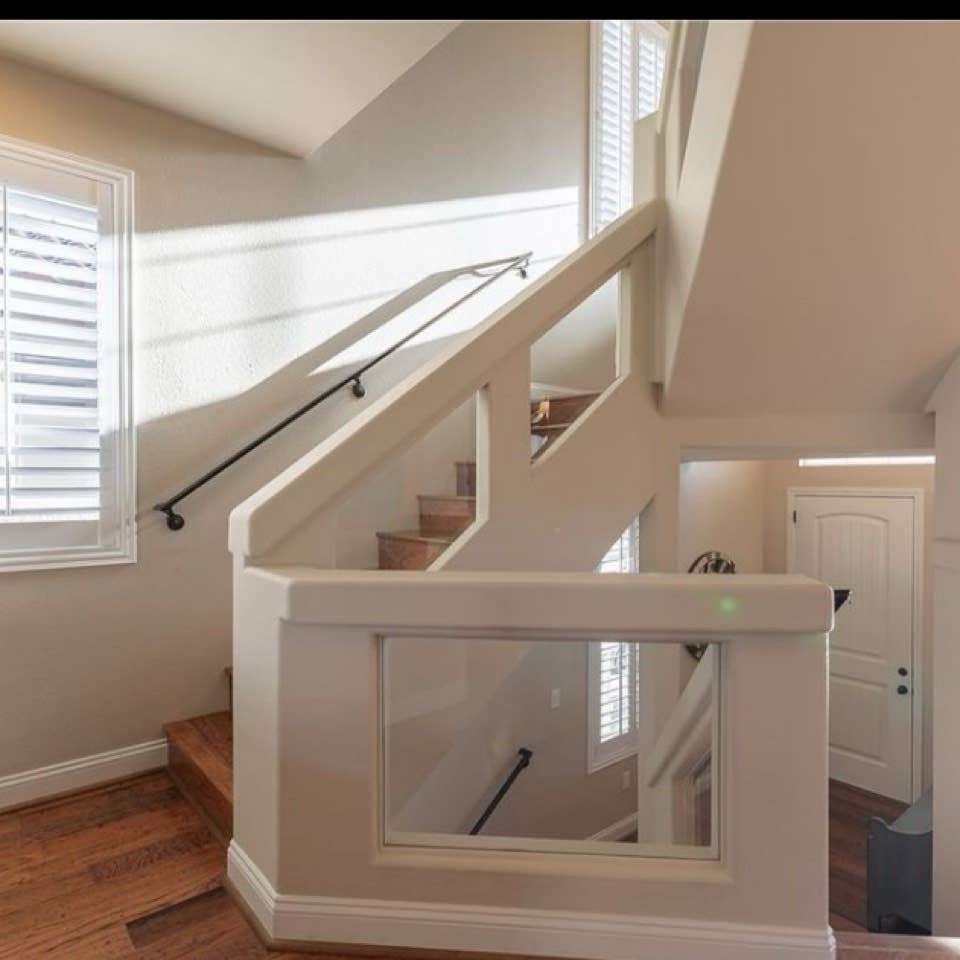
490,271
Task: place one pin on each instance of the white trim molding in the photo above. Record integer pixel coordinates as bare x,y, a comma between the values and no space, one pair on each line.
110,535
58,778
509,930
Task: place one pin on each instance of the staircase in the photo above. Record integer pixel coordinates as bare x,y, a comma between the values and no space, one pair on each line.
444,517
201,748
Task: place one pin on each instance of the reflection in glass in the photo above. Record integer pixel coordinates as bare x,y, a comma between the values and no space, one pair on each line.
601,747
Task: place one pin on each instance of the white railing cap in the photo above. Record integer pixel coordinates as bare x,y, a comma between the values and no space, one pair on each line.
549,605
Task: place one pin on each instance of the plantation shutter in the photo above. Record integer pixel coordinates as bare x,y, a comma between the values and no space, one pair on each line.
618,701
49,376
616,673
629,59
651,51
67,443
613,123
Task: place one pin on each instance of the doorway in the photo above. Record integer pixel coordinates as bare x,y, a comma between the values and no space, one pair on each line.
871,542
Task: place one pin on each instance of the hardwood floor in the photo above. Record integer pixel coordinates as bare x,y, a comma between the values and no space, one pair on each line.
850,812
131,871
124,872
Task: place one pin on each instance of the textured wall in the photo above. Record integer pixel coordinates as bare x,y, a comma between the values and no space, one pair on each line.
245,261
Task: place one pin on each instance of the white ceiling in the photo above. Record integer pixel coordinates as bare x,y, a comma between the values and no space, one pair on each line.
829,278
288,84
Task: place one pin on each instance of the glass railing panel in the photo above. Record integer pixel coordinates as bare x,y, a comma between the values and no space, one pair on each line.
563,746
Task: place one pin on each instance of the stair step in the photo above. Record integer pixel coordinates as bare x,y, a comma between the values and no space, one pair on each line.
466,478
442,516
201,764
548,429
409,549
561,411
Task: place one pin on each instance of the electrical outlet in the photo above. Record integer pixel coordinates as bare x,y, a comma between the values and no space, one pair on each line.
625,780
555,698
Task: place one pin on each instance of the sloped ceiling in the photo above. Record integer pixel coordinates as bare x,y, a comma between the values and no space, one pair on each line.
288,84
829,277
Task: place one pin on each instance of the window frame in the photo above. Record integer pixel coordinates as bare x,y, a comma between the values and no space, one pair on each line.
47,544
651,28
605,753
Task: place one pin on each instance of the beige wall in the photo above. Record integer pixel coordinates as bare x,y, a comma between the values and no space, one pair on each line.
718,509
741,508
245,261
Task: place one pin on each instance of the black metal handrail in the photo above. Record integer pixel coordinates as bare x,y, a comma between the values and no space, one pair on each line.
521,765
520,263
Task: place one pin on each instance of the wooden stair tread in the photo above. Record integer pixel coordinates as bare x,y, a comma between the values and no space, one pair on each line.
210,738
413,536
201,764
459,497
587,397
551,427
551,416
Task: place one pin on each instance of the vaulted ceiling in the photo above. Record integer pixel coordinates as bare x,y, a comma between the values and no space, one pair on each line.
288,84
829,277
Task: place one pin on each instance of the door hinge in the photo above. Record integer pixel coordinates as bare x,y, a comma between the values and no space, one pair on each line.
794,516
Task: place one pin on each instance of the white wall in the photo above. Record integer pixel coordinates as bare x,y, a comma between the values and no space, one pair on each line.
245,259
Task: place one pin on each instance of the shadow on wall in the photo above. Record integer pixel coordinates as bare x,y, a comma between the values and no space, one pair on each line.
202,409
252,269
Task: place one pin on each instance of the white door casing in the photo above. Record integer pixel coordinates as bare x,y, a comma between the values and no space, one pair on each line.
871,542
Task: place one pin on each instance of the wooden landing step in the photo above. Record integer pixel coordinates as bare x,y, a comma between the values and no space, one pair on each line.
201,765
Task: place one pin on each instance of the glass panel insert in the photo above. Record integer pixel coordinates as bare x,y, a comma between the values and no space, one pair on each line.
485,746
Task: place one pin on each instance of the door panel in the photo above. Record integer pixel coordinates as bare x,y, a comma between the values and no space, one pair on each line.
866,543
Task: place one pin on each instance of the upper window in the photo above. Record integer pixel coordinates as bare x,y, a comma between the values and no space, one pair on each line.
66,443
627,75
614,679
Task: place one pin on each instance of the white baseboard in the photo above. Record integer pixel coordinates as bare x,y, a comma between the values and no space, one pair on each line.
32,785
509,930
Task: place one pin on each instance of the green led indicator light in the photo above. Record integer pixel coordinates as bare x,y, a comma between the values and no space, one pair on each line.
728,605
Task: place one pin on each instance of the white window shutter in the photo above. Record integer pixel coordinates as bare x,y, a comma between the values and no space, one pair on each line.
629,58
651,51
613,122
614,674
51,437
67,448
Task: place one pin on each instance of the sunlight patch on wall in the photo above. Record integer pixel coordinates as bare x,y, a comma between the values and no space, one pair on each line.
895,461
231,304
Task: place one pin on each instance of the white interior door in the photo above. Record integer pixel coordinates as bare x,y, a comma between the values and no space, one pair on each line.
865,543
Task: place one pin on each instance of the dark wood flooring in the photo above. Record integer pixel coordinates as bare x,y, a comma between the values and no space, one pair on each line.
128,871
850,811
131,871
